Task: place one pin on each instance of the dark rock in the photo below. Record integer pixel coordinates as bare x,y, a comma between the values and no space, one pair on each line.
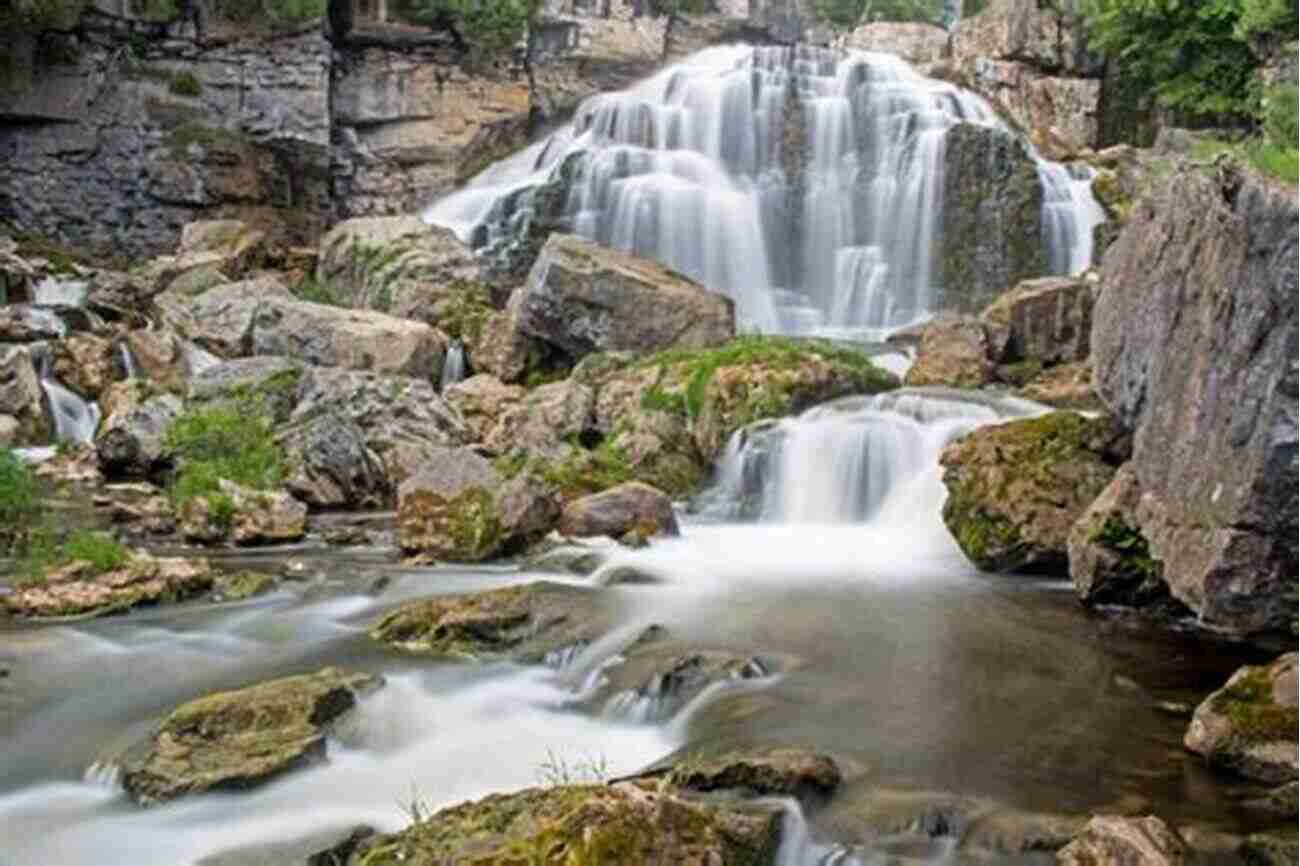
131,440
1273,848
1110,558
330,465
1193,346
784,772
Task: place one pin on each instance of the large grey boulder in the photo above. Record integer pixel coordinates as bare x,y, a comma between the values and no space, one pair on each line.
631,507
1194,346
990,232
266,379
220,319
131,440
1047,320
330,465
1250,725
21,395
447,509
581,297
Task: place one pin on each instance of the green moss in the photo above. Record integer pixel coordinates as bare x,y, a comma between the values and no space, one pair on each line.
473,525
245,584
1256,718
185,84
1130,544
233,441
465,311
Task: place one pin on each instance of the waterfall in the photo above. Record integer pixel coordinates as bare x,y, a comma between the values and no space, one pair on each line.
75,419
60,293
453,366
130,369
804,183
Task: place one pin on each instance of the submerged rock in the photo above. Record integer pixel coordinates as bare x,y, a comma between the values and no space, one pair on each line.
1016,489
143,580
631,508
622,824
243,738
1112,840
1250,725
582,298
519,622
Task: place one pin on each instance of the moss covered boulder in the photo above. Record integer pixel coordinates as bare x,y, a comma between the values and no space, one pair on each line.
1016,489
448,511
622,824
1249,726
519,622
243,738
75,591
243,516
781,772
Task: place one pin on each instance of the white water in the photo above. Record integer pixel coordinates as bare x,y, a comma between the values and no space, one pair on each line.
453,366
75,419
686,168
65,293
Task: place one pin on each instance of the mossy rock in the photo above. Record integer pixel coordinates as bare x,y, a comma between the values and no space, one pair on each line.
584,825
1016,489
1250,725
244,584
448,510
518,622
243,738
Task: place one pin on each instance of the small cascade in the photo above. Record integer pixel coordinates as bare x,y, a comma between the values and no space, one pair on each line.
104,774
453,366
1070,213
130,369
75,419
50,292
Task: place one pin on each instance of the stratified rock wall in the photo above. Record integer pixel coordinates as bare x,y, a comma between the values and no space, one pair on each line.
1194,346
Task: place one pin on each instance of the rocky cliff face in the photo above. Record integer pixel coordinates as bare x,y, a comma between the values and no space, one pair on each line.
1194,347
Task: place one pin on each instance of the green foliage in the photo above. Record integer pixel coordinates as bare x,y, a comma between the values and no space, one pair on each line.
20,504
484,27
1280,115
43,552
849,13
310,289
230,441
280,12
185,84
1264,155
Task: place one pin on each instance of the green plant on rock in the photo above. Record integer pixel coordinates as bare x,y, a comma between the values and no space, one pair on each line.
480,27
1255,716
185,84
44,551
20,502
1130,544
234,441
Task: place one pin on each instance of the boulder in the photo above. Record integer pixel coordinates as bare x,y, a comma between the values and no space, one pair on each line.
527,510
656,678
1110,559
355,339
232,247
330,465
220,320
779,772
143,580
581,297
271,380
1113,840
85,363
403,419
1194,345
1016,489
545,422
1250,725
25,323
447,509
632,508
522,623
1046,320
1065,386
586,823
131,440
244,516
158,354
481,400
240,739
498,348
21,397
991,228
1048,38
951,350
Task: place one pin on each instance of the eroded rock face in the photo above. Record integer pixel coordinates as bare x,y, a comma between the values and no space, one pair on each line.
271,380
623,823
775,772
1048,320
1250,725
1194,349
1112,840
632,508
131,439
519,622
447,509
230,246
220,319
1016,489
582,298
991,233
143,580
918,43
240,739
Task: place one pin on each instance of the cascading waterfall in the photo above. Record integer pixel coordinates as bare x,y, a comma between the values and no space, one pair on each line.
75,419
453,366
804,183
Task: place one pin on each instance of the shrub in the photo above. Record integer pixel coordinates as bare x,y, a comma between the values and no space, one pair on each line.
230,441
20,504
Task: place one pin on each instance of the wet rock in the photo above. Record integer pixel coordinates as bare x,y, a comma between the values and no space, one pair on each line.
992,213
632,507
1112,840
447,509
1273,848
339,854
1193,347
244,516
403,419
130,441
240,739
230,246
272,380
1110,559
330,465
581,298
545,422
481,400
144,580
1047,320
354,339
952,351
1016,489
656,679
620,823
21,396
1250,725
519,622
242,585
785,772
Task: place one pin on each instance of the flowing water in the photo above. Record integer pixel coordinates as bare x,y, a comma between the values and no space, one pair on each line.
453,367
819,551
